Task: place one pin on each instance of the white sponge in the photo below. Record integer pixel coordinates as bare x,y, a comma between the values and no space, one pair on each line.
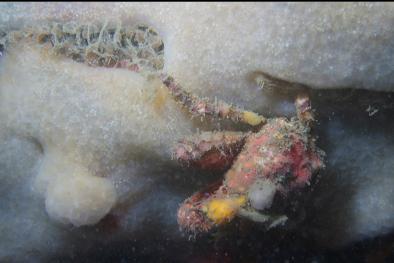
80,199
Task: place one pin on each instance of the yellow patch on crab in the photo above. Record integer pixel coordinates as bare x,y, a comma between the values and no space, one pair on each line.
252,118
222,210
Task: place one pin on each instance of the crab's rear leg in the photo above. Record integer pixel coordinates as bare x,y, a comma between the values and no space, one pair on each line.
210,150
204,107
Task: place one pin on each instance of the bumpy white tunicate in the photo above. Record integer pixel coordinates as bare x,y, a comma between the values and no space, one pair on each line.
72,194
80,198
88,122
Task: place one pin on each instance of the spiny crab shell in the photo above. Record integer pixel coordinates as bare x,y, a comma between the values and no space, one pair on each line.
280,158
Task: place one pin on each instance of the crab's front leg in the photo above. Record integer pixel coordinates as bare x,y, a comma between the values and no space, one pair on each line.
210,150
204,107
218,205
211,207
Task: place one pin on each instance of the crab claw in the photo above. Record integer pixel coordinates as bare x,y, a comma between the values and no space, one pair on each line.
207,209
213,211
192,219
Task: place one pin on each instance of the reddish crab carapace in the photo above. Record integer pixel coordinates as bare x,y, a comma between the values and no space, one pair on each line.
277,159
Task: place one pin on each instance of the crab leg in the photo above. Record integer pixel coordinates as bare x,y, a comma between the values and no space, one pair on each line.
211,207
217,205
210,150
304,109
203,106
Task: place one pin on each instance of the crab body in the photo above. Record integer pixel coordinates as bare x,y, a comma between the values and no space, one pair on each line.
279,152
279,158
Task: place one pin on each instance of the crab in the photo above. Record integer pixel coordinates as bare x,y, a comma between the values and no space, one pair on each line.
279,158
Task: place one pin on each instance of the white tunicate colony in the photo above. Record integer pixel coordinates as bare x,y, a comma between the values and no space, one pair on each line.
210,45
73,195
85,120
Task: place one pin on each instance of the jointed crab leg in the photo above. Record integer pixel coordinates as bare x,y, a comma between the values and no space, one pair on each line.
304,109
209,208
203,106
210,150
